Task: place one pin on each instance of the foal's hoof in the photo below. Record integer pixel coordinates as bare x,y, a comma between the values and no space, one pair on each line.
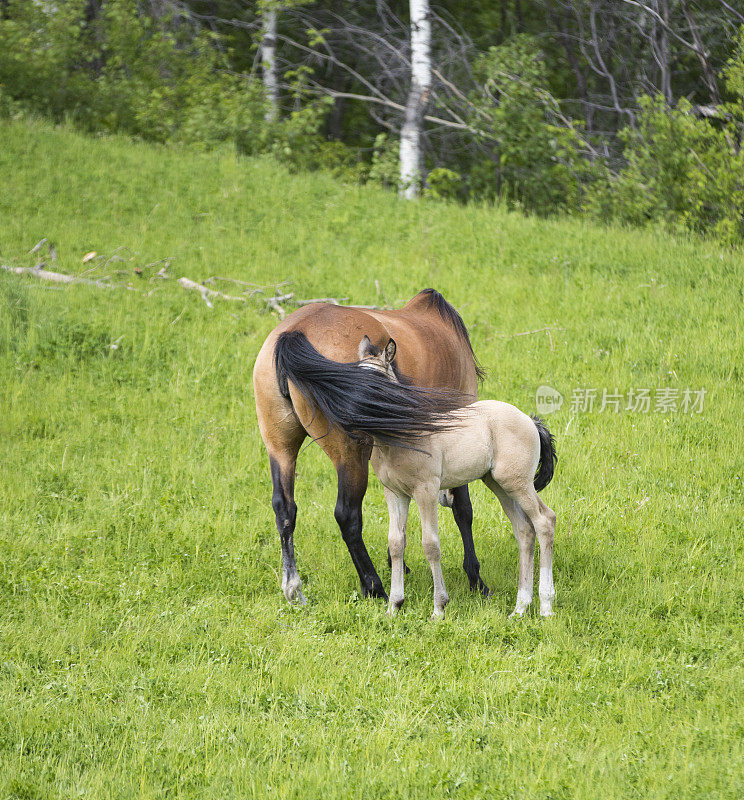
546,611
394,607
438,614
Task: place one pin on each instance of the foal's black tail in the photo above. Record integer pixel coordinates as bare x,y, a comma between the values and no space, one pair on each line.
362,401
548,456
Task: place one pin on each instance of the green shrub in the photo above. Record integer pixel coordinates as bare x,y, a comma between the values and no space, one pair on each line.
385,168
535,164
681,171
157,79
443,184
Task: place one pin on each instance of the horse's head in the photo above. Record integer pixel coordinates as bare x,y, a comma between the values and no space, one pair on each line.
371,357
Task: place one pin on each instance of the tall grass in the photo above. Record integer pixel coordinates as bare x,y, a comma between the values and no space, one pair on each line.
146,648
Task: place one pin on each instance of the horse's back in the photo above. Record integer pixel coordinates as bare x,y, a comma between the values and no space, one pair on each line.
431,350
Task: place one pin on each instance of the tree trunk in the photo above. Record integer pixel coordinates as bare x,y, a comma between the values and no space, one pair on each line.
418,96
268,60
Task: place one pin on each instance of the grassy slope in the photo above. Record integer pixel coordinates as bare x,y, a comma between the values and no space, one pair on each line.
145,643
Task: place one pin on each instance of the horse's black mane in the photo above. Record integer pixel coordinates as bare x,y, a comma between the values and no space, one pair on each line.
449,314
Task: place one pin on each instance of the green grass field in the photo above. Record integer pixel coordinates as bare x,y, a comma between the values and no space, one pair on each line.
146,649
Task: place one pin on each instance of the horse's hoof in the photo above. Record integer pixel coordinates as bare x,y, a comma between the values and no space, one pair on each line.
478,586
375,592
437,615
293,593
297,598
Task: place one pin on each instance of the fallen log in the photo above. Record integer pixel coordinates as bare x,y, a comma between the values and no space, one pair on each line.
57,277
206,293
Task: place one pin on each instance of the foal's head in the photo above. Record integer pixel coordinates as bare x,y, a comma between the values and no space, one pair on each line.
371,357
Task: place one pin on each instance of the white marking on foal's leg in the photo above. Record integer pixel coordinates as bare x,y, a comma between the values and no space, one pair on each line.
524,601
547,590
525,536
430,540
546,534
398,514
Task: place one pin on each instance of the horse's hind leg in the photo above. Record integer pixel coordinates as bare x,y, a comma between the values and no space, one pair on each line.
283,435
351,460
462,510
285,510
524,533
352,468
522,501
542,518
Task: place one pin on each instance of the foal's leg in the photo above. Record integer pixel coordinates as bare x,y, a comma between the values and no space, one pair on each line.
543,520
462,509
398,514
524,533
426,499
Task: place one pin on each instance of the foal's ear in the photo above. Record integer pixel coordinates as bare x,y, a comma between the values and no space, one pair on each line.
365,348
390,349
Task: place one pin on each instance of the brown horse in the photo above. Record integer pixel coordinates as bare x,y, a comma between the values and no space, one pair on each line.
307,382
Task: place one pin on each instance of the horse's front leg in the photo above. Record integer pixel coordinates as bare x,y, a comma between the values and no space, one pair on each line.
398,515
426,499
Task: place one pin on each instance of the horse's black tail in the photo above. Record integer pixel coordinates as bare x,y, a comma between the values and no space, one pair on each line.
362,401
548,456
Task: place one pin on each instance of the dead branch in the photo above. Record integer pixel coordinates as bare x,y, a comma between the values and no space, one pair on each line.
206,293
273,304
548,328
57,277
38,246
274,286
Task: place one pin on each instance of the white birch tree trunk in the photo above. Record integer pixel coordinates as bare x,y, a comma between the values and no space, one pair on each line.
418,96
268,62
